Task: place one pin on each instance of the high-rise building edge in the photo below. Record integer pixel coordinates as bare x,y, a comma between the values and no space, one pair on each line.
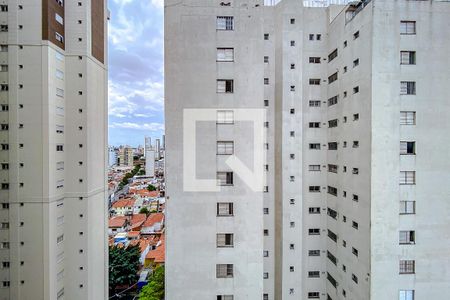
54,149
354,204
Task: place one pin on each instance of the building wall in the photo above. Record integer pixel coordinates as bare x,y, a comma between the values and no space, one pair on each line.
57,199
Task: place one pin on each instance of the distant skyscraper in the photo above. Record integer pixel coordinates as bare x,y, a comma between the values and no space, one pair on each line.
150,162
158,149
126,158
354,203
112,156
53,242
164,141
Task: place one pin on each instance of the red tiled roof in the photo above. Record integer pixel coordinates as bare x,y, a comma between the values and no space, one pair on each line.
133,233
154,218
147,193
123,203
159,253
118,221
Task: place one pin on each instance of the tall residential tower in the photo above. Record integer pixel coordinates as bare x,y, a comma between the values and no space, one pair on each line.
355,199
53,149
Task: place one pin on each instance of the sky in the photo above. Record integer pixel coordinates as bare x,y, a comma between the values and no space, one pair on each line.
136,82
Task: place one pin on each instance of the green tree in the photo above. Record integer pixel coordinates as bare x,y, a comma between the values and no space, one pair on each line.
154,290
141,172
151,187
144,210
123,266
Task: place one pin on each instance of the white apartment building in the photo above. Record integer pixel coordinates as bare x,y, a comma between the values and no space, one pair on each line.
53,98
355,203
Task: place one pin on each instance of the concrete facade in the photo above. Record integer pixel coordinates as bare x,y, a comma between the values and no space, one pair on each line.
354,201
54,151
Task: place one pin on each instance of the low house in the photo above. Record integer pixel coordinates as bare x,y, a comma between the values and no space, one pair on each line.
156,257
136,221
123,207
133,235
117,224
153,224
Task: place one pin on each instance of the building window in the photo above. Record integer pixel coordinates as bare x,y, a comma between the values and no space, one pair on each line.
225,297
225,86
356,35
356,63
407,118
266,36
266,103
266,275
266,81
332,280
407,88
59,147
314,252
314,210
224,178
314,60
333,78
314,167
407,27
333,123
331,257
59,128
59,92
3,7
356,90
332,190
407,207
292,66
224,23
225,54
224,240
314,124
332,168
292,43
407,237
355,225
313,274
314,189
314,103
292,21
225,117
225,148
332,55
313,295
408,148
59,37
59,19
407,267
408,57
354,278
406,295
60,238
332,213
60,184
224,271
224,209
266,59
355,251
314,81
314,231
314,146
407,177
333,100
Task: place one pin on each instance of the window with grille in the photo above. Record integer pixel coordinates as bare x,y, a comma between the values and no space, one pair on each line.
407,27
225,86
313,295
314,146
225,54
333,78
332,55
313,274
332,168
314,103
225,117
408,57
314,60
225,147
333,100
225,240
333,123
224,271
314,252
225,178
407,177
407,207
406,295
407,88
224,209
332,213
332,280
407,118
314,167
331,257
407,266
407,237
314,124
332,190
224,23
407,148
314,81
